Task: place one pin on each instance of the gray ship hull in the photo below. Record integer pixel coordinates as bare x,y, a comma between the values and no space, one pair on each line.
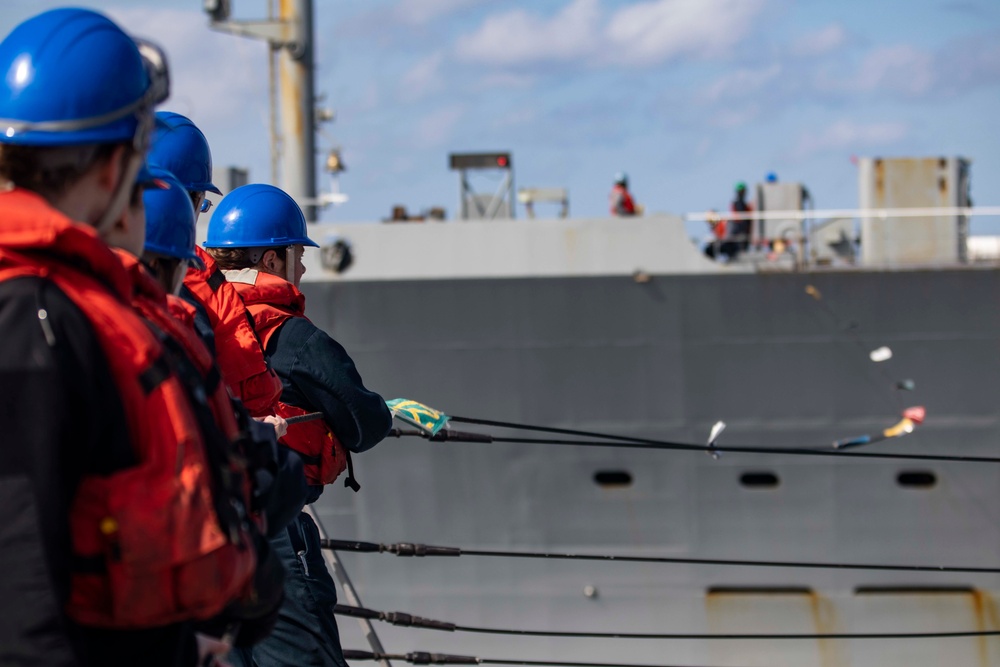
666,358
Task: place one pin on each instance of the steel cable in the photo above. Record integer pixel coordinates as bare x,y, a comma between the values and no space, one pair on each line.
408,620
422,658
610,440
422,550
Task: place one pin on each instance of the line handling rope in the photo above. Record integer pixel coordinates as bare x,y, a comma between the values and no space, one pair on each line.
423,658
408,620
422,550
611,440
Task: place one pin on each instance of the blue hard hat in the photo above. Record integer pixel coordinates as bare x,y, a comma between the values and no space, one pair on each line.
621,177
771,177
257,216
182,149
71,76
170,222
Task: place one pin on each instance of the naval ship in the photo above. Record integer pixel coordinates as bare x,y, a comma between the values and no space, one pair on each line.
827,327
624,326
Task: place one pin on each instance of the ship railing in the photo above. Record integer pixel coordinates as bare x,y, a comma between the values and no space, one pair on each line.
805,239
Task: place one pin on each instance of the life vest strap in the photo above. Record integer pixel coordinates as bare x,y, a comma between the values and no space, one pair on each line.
350,482
153,377
216,280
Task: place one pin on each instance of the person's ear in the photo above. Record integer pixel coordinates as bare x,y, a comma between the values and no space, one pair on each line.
271,262
110,170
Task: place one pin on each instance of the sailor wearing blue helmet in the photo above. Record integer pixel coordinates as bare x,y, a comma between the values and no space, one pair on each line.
77,96
257,236
182,149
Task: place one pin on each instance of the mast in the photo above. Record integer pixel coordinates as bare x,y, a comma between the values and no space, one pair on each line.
290,37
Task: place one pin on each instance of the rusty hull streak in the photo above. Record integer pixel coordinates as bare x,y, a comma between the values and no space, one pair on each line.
984,608
879,182
825,619
823,611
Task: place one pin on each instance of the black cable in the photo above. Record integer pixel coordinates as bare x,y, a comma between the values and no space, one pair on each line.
422,658
408,620
644,443
419,550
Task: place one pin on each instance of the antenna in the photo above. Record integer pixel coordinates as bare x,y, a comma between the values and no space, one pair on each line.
290,37
474,206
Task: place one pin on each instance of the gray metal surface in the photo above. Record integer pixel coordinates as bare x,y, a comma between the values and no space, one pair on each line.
913,182
667,358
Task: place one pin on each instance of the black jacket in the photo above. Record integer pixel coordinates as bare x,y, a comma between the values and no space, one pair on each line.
60,419
317,374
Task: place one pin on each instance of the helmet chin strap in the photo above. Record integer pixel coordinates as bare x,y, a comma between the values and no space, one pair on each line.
119,199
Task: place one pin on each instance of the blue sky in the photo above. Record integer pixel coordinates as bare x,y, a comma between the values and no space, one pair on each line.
686,96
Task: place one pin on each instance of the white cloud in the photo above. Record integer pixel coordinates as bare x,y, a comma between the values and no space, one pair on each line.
423,79
728,118
517,118
902,68
214,77
420,12
845,135
740,83
435,128
641,33
518,36
496,80
657,30
819,42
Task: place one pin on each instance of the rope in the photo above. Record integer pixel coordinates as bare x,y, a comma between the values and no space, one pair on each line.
420,550
422,658
611,440
407,620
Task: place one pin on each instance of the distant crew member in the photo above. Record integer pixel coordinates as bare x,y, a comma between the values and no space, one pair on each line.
720,245
257,237
741,229
99,427
620,200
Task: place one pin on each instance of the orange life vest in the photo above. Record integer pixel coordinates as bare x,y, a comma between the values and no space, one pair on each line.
181,310
151,545
237,347
271,301
620,197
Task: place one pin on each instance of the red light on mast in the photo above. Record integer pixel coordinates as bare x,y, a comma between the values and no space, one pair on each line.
501,160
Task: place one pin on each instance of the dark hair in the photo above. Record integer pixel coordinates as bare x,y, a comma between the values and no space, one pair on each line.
51,170
234,259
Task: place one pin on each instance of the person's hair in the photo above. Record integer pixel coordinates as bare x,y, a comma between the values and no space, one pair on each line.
234,259
135,196
51,170
161,266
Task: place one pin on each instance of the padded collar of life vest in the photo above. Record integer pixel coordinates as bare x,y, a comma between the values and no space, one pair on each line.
28,224
257,287
194,273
